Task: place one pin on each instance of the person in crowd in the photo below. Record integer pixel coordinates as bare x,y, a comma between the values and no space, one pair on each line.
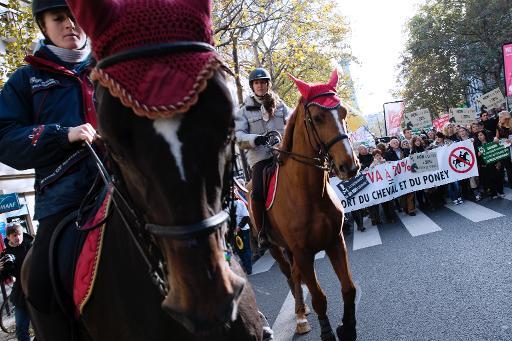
382,147
490,174
46,113
387,207
261,112
450,132
17,244
489,123
407,134
405,145
504,131
242,231
365,158
463,134
394,152
431,134
418,146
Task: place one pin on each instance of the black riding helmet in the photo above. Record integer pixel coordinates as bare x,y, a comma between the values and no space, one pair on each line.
258,73
39,6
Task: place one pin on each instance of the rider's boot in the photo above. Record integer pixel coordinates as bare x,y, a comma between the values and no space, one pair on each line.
258,215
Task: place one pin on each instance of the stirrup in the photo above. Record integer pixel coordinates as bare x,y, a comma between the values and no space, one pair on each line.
263,241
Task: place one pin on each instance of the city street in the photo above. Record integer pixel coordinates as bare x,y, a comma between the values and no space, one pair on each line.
443,275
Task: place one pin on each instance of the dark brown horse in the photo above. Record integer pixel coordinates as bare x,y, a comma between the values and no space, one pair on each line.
163,272
307,216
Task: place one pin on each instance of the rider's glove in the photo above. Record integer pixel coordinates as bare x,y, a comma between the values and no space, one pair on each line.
261,140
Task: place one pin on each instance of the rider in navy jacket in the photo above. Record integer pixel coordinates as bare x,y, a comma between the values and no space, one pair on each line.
46,112
38,104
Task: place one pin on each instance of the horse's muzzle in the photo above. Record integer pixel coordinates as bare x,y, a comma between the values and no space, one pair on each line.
210,312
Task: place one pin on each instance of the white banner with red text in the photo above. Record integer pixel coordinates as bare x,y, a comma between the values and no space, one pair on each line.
393,179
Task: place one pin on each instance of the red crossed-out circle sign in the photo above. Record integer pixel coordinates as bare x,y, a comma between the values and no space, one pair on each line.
461,160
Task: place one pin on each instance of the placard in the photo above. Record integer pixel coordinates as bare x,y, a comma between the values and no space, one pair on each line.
462,116
419,119
493,99
424,162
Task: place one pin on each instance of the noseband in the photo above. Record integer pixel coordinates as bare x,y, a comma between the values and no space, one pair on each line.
144,230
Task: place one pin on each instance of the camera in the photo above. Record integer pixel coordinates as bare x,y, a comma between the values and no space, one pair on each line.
8,259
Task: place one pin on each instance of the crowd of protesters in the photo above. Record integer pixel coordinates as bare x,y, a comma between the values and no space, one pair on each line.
489,184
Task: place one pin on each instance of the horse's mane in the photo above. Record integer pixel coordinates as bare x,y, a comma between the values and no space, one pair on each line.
287,143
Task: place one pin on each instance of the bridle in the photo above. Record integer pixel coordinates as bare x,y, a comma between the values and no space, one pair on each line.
141,231
323,161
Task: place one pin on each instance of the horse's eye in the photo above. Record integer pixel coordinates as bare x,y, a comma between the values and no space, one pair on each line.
317,119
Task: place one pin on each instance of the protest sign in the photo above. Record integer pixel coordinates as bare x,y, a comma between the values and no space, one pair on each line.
362,136
419,119
351,187
492,152
441,121
507,67
424,162
394,179
462,116
393,112
492,99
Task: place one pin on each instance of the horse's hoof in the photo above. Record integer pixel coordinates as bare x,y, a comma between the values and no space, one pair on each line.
329,336
307,311
347,332
303,328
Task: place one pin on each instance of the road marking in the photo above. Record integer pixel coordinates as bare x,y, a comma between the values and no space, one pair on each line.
320,255
263,264
419,224
474,212
284,326
508,193
370,237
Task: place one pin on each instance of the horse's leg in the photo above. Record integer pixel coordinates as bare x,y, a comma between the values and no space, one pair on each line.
337,253
303,268
294,282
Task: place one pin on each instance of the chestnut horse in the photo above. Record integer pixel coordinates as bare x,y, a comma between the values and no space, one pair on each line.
164,273
307,216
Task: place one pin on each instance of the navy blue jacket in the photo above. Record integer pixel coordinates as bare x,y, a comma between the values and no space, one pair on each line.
38,104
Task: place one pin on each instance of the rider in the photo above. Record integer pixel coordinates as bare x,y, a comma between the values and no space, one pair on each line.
261,112
46,112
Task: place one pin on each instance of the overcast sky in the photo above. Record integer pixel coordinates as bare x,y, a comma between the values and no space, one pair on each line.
377,41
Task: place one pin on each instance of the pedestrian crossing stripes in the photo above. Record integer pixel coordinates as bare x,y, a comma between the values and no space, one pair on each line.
474,212
418,225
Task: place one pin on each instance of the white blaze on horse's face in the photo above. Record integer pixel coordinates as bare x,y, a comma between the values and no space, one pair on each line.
168,128
341,129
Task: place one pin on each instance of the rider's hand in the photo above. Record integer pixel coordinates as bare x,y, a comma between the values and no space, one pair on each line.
84,132
261,140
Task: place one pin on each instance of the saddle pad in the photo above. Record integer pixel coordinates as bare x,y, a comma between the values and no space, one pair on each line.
89,258
272,188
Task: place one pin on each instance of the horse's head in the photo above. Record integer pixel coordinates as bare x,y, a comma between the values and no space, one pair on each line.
167,117
325,123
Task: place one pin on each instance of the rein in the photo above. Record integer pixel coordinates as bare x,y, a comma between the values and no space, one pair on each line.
145,231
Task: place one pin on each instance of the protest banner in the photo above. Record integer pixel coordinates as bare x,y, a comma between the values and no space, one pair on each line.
507,64
492,100
393,112
424,162
394,179
492,152
441,121
462,116
419,119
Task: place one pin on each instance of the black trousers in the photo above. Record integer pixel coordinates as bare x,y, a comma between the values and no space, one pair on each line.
40,289
257,179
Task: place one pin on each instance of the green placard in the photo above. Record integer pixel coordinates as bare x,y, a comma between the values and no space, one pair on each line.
493,152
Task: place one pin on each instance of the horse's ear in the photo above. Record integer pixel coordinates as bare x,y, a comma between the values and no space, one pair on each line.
204,6
334,78
86,14
302,86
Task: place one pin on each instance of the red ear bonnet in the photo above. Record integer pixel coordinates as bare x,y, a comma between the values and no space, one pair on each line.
159,85
322,95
